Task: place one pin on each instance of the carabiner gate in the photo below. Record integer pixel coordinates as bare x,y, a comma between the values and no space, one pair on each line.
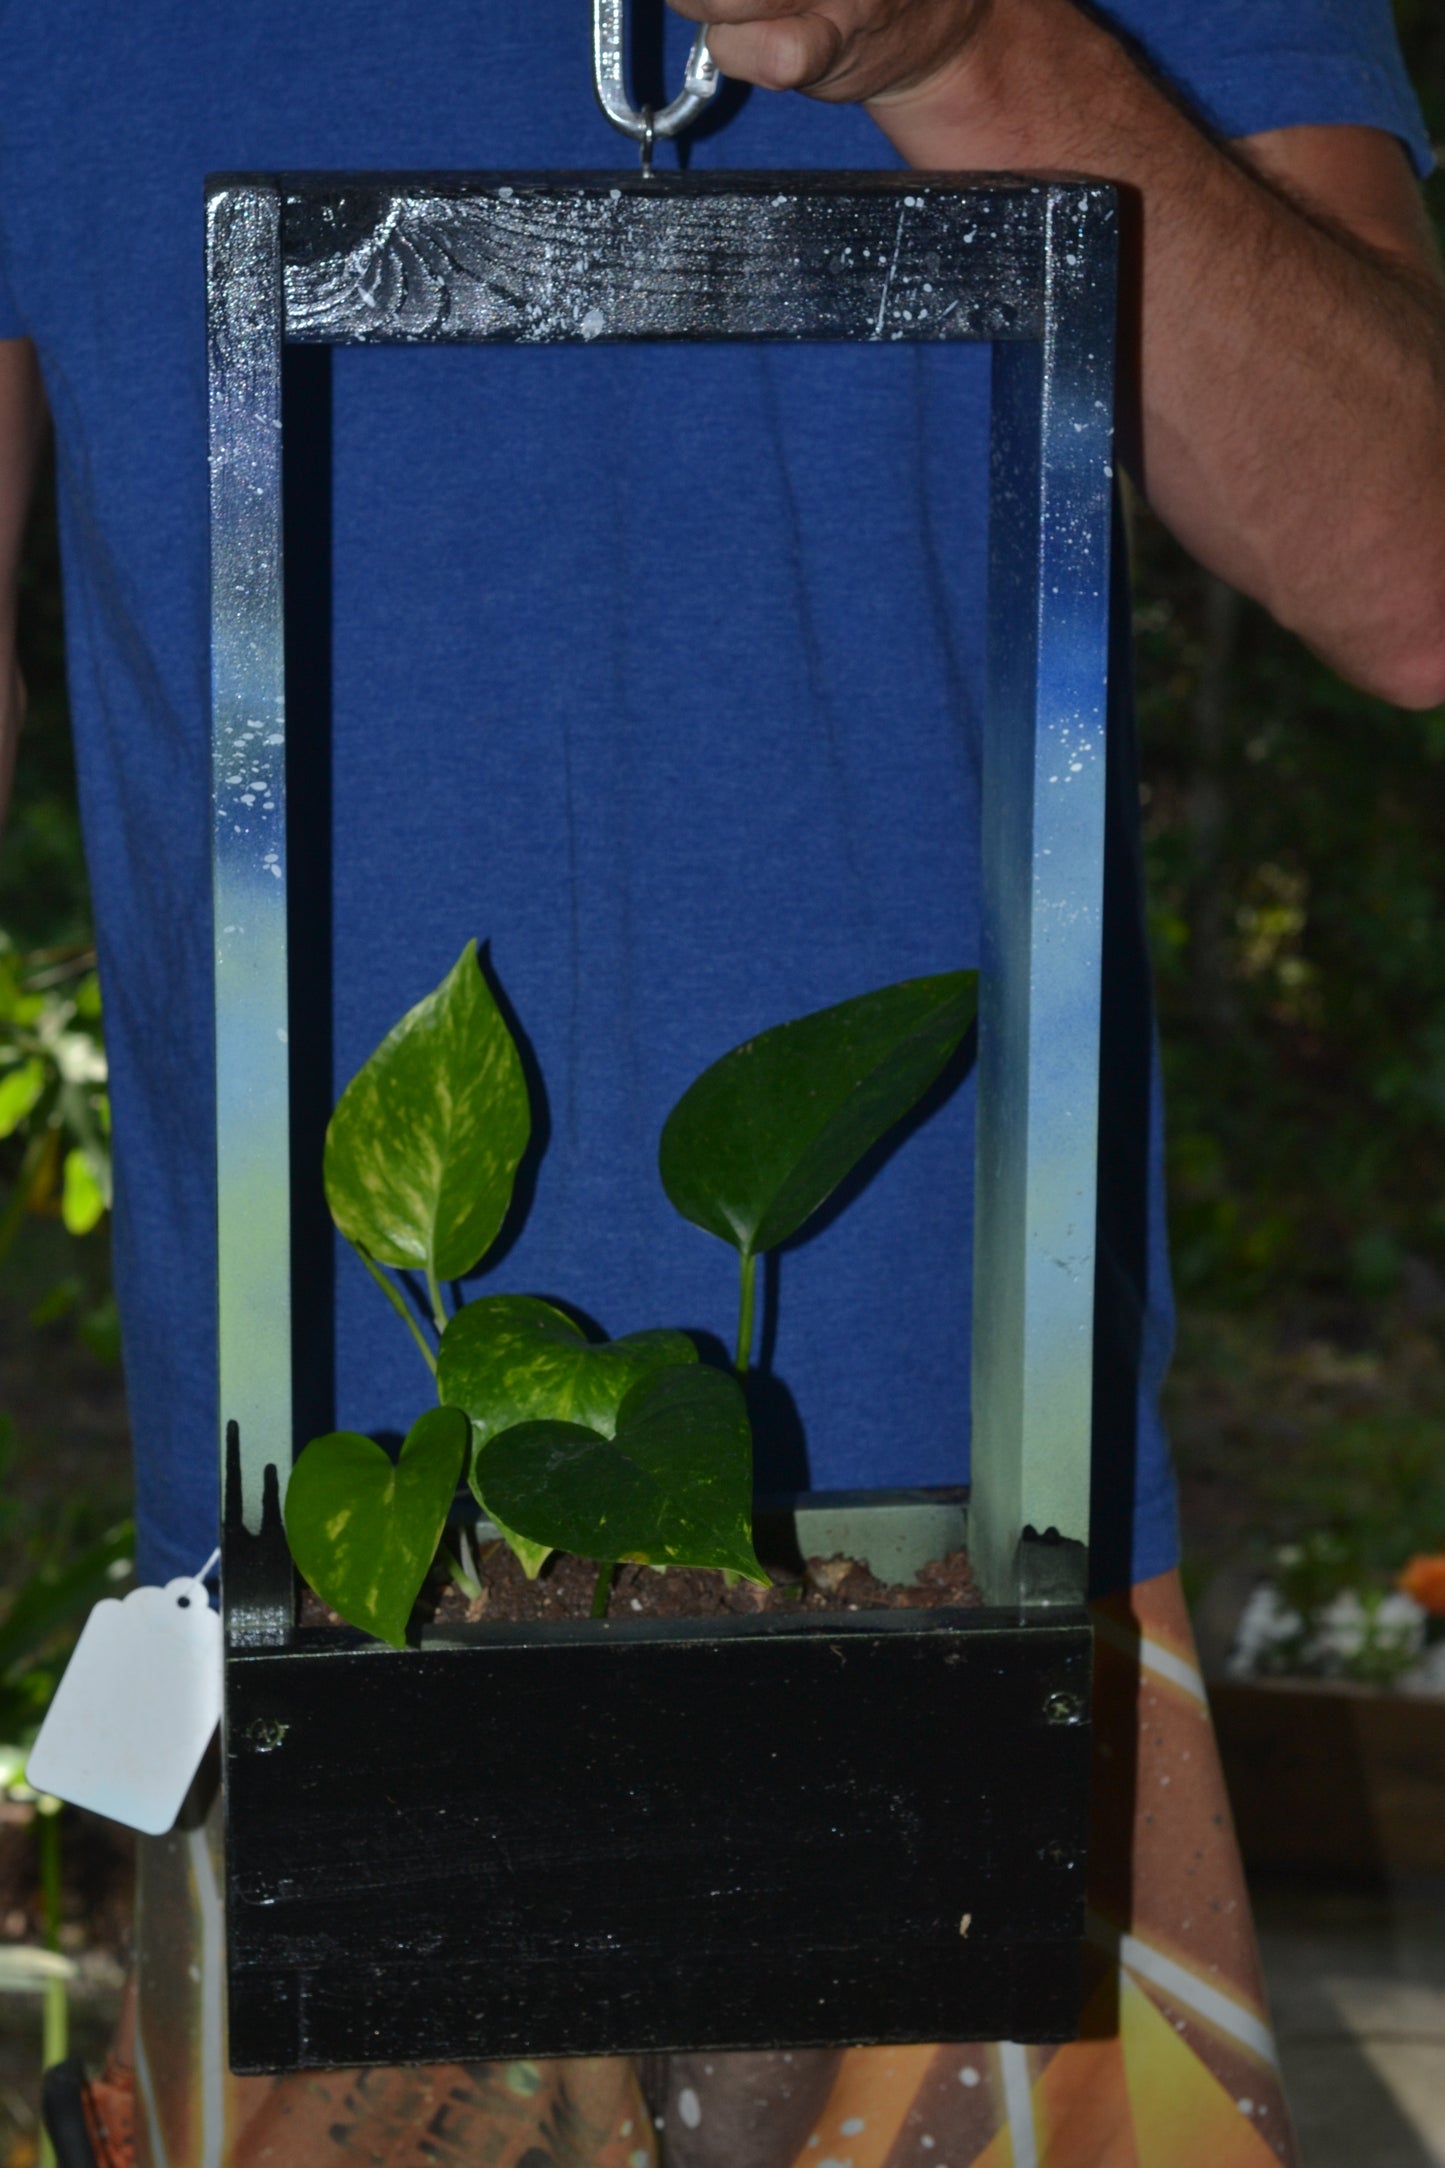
609,77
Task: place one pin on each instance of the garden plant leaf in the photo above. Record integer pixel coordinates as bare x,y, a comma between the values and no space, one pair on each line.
511,1359
514,1359
20,1089
82,1200
423,1149
363,1529
672,1485
765,1135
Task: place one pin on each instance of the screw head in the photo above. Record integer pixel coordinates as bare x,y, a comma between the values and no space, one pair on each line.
264,1734
1063,1707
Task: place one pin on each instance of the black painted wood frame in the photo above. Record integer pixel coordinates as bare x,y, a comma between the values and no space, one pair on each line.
634,1836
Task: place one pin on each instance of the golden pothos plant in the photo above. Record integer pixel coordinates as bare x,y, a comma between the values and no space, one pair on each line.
622,1449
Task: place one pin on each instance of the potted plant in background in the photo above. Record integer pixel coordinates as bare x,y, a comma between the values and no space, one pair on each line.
1331,1718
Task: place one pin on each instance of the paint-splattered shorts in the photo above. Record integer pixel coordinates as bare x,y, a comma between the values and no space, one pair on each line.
1175,2067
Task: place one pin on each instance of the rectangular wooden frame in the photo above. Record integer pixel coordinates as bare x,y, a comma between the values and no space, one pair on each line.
891,1773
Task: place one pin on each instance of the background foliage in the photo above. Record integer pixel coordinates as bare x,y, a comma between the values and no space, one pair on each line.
1296,886
1293,835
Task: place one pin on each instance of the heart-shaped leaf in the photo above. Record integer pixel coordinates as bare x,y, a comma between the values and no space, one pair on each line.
363,1529
769,1131
672,1486
511,1359
423,1148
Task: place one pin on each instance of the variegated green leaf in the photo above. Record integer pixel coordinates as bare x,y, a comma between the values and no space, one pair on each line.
672,1485
531,1557
363,1529
423,1149
511,1359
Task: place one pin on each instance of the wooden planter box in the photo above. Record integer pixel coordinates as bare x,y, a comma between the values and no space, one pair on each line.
778,1832
550,1840
1328,1777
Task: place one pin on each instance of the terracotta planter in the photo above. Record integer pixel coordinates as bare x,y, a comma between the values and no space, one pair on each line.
1332,1777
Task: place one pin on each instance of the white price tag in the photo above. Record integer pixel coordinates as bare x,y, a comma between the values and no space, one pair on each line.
136,1708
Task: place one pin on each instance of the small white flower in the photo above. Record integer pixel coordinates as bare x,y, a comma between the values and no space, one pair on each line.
1267,1626
1428,1675
1373,1637
1340,1628
79,1058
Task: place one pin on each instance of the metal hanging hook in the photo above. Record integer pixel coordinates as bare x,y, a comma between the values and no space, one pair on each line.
608,75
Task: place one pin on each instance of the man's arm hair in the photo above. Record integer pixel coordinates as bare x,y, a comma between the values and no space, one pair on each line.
22,433
1289,373
1291,347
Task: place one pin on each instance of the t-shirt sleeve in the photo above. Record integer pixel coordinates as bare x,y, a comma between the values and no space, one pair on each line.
1251,65
11,326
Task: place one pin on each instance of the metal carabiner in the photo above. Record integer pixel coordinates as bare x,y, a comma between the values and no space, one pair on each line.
609,77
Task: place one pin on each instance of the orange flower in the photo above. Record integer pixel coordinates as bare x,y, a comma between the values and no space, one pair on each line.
1424,1579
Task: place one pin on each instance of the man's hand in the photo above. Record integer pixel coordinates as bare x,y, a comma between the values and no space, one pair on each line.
22,432
844,50
1287,413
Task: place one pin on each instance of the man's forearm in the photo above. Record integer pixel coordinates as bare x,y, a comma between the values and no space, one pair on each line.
1292,377
1292,388
22,431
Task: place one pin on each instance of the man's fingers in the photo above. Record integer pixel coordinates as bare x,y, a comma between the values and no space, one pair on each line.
837,49
777,55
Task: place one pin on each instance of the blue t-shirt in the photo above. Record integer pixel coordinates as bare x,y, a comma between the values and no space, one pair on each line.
657,670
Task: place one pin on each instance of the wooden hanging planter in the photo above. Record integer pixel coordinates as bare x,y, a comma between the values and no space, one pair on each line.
618,1836
646,1832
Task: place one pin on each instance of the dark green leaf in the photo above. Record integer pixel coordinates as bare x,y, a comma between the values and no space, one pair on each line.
58,1300
671,1487
769,1131
423,1148
364,1530
99,1331
511,1359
